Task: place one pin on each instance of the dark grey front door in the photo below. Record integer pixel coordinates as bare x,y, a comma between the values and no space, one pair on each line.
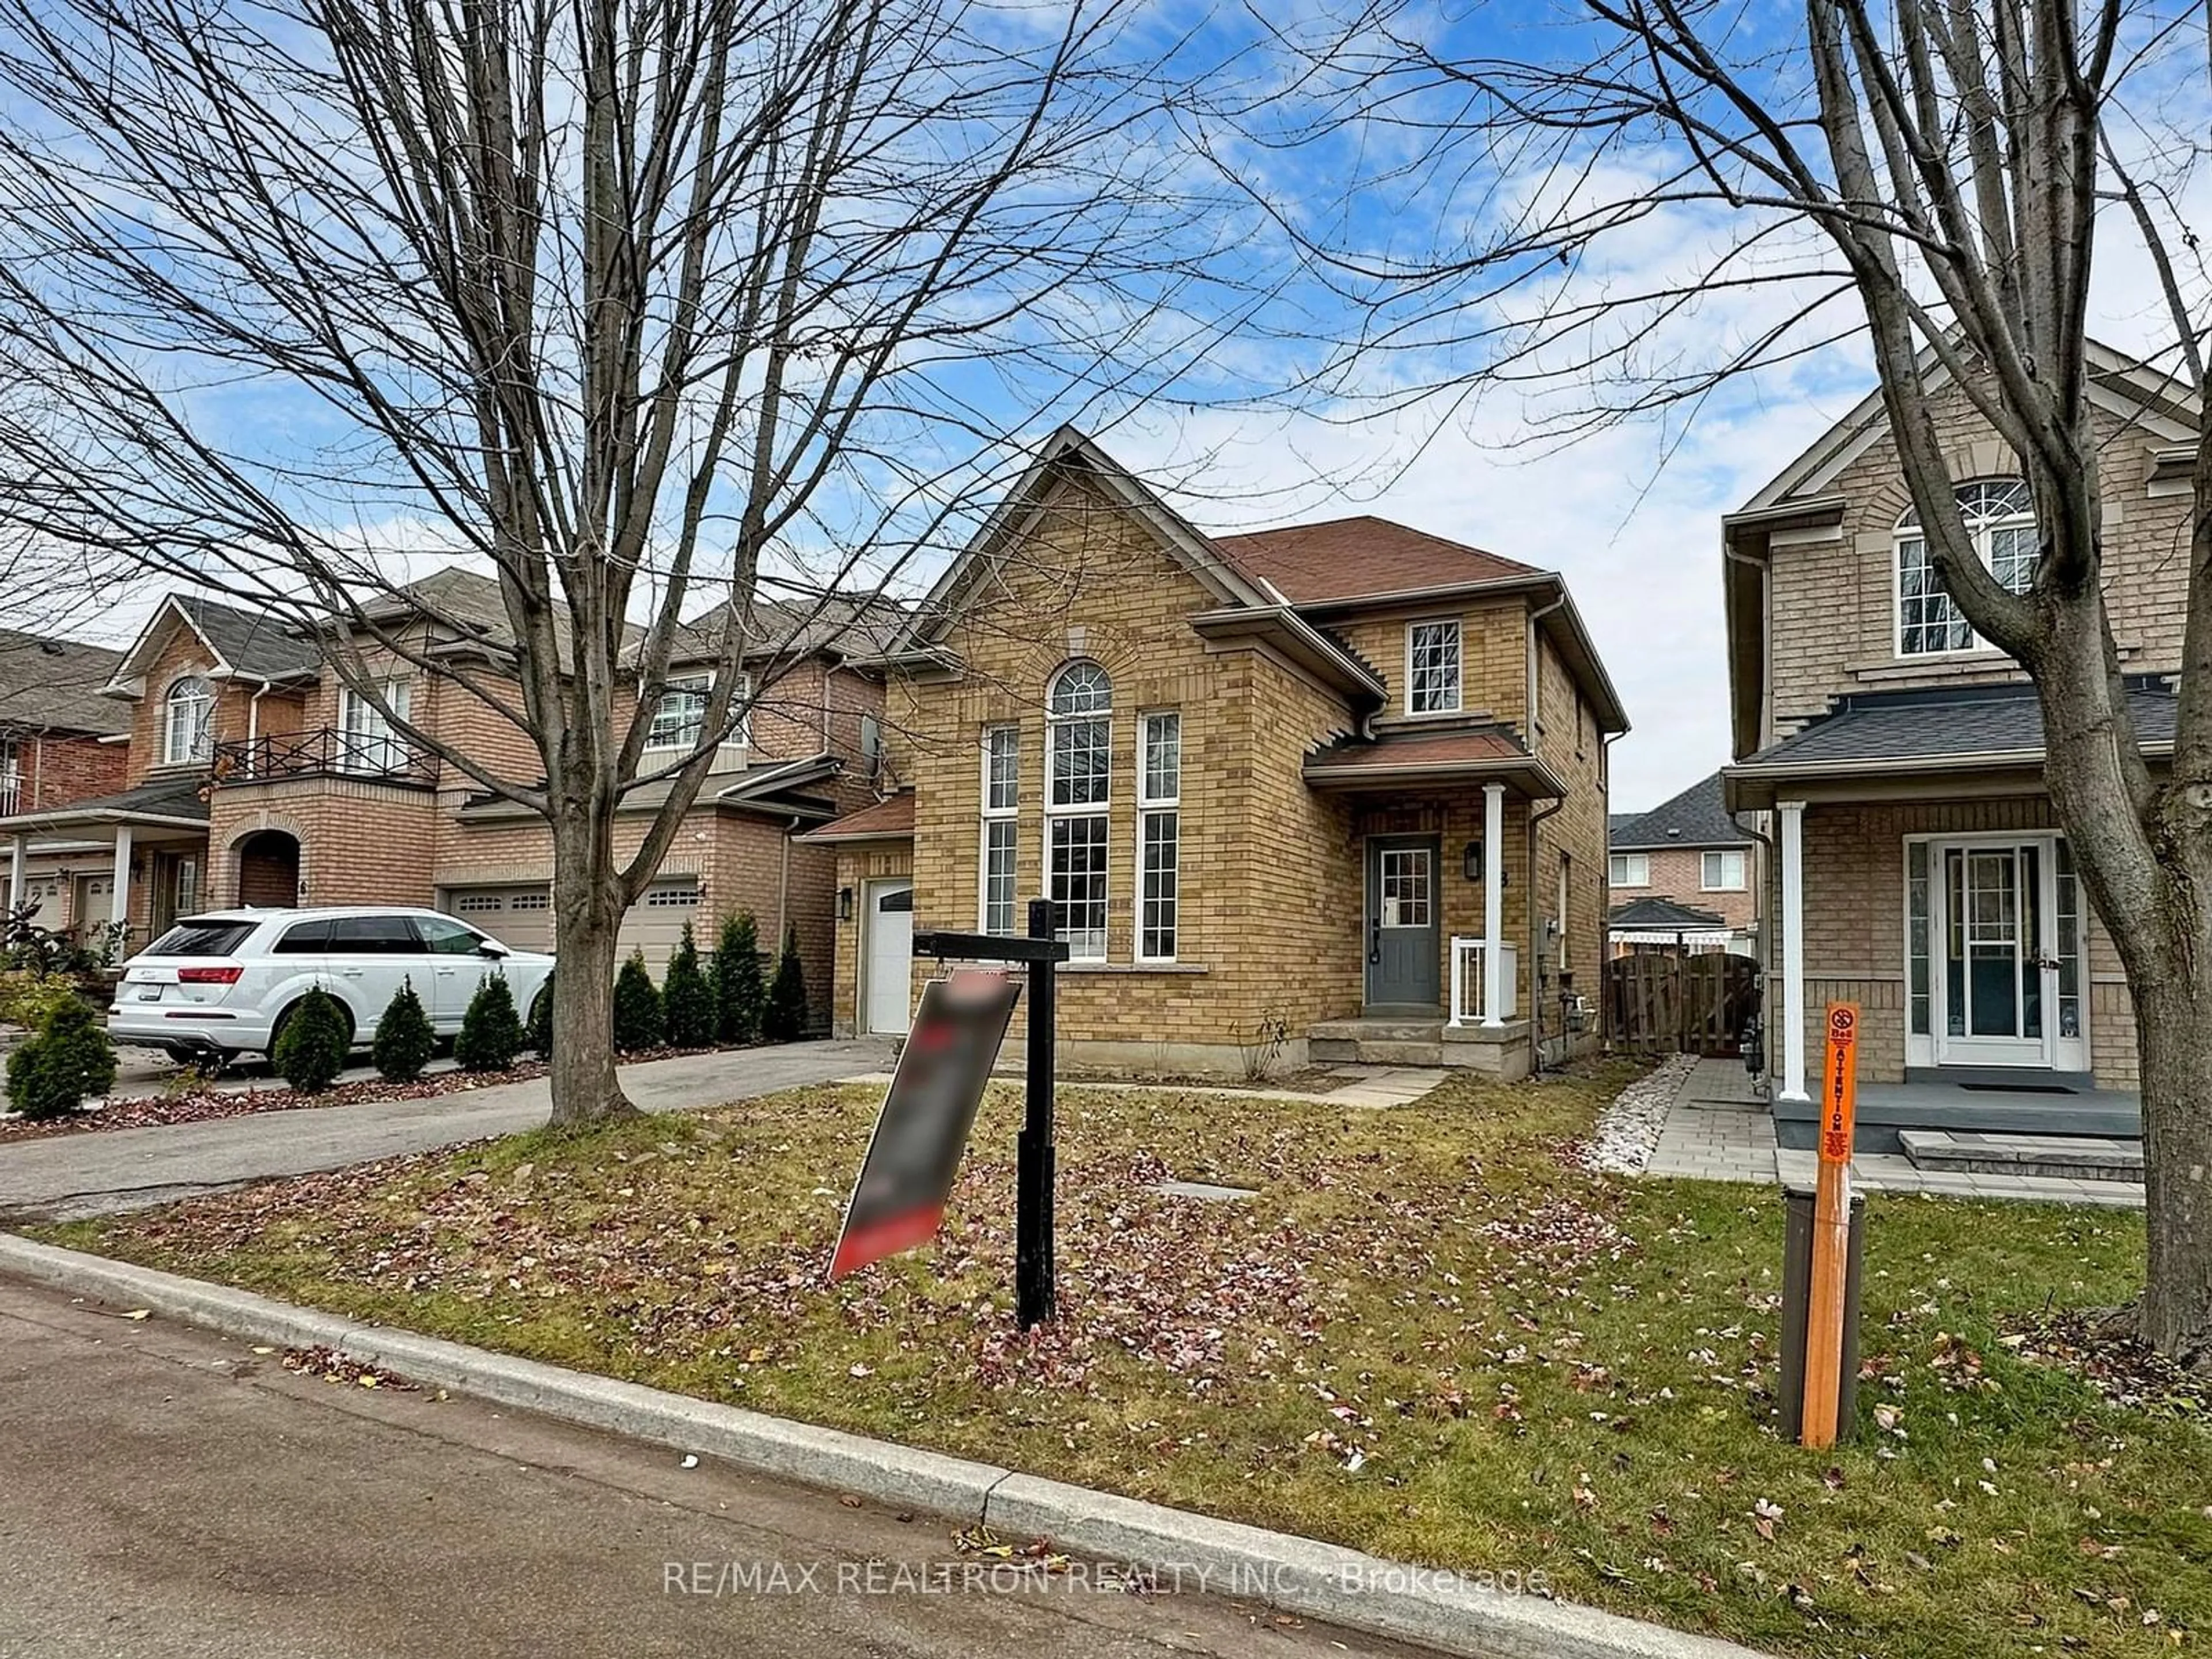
1404,947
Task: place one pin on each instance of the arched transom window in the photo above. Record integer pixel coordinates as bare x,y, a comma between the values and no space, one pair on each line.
188,722
1079,728
2000,517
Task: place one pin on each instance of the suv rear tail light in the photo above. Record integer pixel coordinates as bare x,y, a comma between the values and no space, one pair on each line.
209,975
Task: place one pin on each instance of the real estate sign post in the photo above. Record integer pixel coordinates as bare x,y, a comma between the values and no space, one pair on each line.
1832,1229
926,1118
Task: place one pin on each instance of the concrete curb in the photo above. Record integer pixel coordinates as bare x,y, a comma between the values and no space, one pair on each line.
1326,1582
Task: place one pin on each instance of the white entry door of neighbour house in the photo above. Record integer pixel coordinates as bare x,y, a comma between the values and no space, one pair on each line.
1995,954
887,1001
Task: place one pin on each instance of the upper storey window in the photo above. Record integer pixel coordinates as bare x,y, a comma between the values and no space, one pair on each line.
2001,522
188,722
1432,667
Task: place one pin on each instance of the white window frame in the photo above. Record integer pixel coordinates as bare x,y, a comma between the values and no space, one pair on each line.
1155,808
1459,665
1566,891
367,741
1983,527
199,747
1001,818
701,681
1707,885
1630,863
1057,812
11,776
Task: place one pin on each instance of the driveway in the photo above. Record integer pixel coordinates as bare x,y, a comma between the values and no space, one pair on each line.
63,1177
171,1492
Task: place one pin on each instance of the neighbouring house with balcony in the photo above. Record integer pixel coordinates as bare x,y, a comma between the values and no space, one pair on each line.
256,776
1920,870
62,744
1683,877
1335,791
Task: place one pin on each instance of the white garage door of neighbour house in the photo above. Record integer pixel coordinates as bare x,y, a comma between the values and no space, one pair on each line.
656,921
889,944
519,916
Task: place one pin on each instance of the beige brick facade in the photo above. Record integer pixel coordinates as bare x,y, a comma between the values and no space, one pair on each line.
1272,872
1830,599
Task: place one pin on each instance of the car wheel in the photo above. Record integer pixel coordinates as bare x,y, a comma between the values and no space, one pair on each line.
277,1031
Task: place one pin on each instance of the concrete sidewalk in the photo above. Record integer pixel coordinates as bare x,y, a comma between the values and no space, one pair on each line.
63,1177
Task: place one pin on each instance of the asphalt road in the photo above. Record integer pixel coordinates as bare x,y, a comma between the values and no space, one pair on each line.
62,1177
171,1492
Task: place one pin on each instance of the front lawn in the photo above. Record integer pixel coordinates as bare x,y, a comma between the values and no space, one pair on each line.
1433,1335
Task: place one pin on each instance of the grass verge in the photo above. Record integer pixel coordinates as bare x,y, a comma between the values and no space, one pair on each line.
1433,1335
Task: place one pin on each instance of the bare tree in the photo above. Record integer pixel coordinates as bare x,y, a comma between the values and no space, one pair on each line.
1936,173
640,304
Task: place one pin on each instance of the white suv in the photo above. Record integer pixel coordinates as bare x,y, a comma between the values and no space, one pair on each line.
222,984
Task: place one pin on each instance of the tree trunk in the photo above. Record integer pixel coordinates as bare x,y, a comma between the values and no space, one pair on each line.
587,917
2173,1038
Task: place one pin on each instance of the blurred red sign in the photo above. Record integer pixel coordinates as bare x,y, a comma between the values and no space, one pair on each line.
922,1127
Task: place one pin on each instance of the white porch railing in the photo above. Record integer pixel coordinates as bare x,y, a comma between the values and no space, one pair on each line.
1467,980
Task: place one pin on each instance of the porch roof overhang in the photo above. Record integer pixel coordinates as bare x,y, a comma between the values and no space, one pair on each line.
1409,759
891,819
776,789
171,804
1907,745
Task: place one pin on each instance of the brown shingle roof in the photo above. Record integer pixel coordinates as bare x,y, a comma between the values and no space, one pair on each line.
883,820
1456,755
1359,558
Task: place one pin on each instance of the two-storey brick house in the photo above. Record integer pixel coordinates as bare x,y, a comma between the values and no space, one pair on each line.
1683,877
258,776
1920,868
61,744
1344,780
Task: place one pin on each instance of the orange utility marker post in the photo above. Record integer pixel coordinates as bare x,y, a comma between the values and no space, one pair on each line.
1832,1229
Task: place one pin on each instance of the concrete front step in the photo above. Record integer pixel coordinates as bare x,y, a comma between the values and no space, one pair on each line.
2076,1157
1376,1043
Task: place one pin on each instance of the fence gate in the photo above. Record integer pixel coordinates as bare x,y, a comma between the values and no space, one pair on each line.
1664,1002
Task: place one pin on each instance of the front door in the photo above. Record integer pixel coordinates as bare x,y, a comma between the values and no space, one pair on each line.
2001,915
1404,940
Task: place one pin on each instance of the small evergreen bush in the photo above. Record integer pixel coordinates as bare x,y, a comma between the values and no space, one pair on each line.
541,1021
66,1059
785,1021
638,1020
405,1041
491,1031
687,999
310,1050
740,992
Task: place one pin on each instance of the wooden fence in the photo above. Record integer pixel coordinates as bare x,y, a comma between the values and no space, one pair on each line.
1663,1002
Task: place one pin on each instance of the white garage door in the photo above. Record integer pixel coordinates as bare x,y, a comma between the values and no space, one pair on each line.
889,946
519,916
657,920
95,902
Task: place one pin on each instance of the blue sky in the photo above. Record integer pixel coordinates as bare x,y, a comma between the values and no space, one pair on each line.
1629,512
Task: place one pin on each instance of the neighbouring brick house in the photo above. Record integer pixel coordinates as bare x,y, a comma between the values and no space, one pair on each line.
1919,869
61,743
1683,876
255,776
1344,781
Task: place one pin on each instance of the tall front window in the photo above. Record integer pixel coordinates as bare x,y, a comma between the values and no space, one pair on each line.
368,743
1159,794
1079,730
2000,519
679,719
11,779
188,723
1002,772
1432,667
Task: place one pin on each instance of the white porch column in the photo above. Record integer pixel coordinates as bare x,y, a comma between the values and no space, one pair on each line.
1493,903
122,901
1793,949
18,876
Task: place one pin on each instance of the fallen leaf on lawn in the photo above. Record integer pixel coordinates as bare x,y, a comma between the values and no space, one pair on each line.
690,1460
138,1313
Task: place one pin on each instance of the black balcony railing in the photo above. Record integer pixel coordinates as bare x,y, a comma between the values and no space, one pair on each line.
325,753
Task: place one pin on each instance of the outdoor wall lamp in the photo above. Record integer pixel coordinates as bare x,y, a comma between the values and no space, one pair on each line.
1471,864
844,904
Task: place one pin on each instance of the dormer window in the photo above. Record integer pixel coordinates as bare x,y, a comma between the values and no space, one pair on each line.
679,719
188,723
2000,517
1432,667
